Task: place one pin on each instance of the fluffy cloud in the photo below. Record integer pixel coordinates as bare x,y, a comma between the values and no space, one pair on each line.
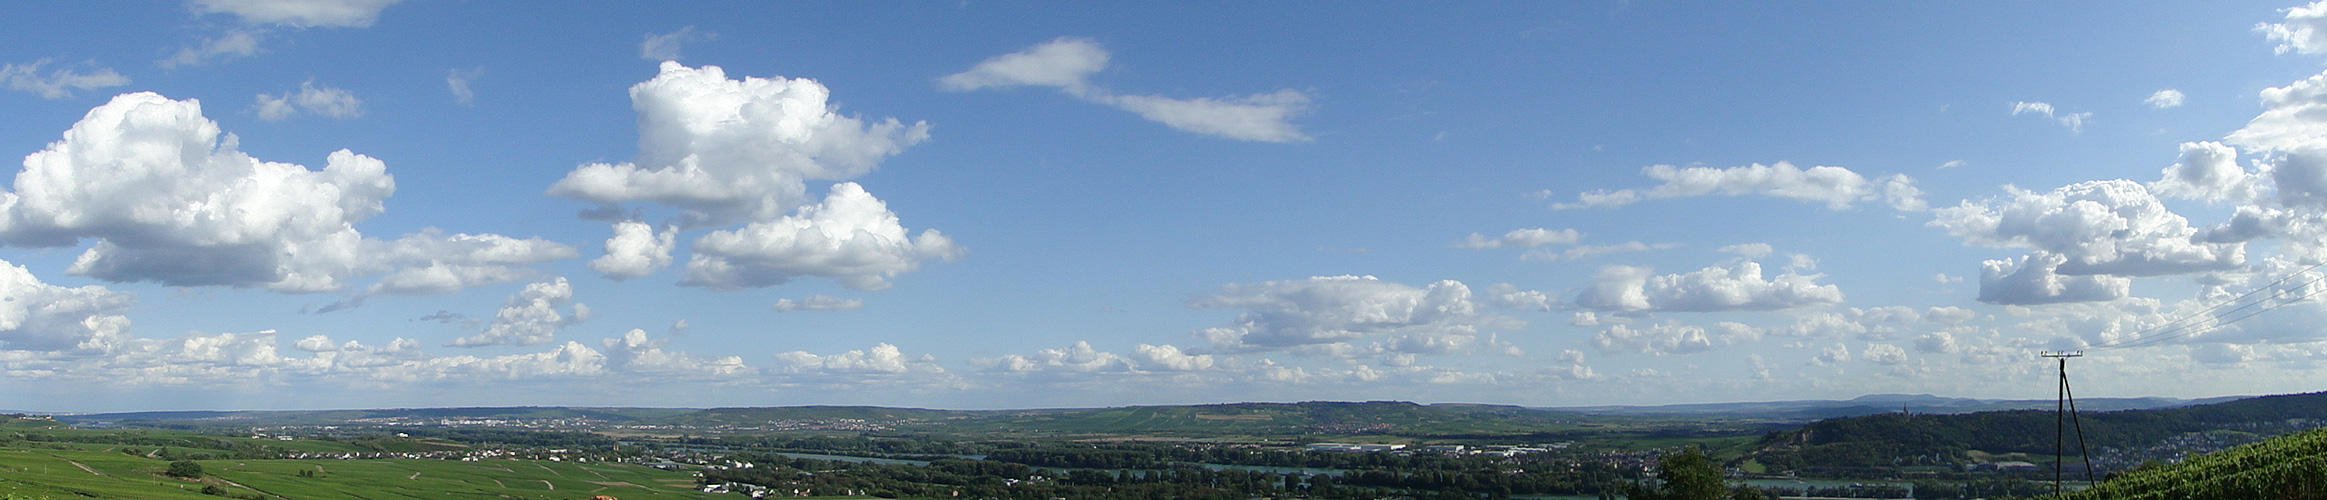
1883,354
325,101
1940,342
637,249
1169,358
1082,358
2168,98
2208,171
1068,63
530,317
819,303
1078,358
882,360
1508,296
729,150
726,151
1336,310
1659,339
1838,187
665,47
851,237
634,352
1735,287
57,84
1832,355
36,316
2287,119
2113,227
2074,121
169,201
1520,238
2304,32
433,262
299,13
2035,279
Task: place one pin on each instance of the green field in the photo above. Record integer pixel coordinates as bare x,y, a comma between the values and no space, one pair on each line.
80,473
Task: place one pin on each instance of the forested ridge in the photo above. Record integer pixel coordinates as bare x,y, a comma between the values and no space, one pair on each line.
1885,439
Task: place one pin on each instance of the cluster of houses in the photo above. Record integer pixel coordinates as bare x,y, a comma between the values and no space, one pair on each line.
1444,449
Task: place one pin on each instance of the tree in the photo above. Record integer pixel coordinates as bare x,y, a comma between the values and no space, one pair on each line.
185,469
1689,475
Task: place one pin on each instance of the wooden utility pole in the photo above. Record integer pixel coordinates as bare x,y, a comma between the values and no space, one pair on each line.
2065,407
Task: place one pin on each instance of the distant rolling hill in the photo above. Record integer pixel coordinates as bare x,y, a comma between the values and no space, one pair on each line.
1305,418
1876,404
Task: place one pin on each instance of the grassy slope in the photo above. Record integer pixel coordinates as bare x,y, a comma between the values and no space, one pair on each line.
53,474
2290,466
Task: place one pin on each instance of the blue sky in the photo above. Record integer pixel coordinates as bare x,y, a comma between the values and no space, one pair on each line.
982,205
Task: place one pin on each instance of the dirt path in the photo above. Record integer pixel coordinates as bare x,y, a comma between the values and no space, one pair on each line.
497,482
239,485
594,472
318,467
552,471
552,487
415,476
84,468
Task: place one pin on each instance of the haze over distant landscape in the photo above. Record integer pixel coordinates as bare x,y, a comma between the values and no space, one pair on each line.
262,204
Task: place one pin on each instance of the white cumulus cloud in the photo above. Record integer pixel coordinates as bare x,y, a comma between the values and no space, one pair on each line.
1839,188
1332,311
2035,279
37,316
725,151
2304,32
2168,98
2113,227
881,359
171,200
637,249
1734,287
530,317
851,237
729,150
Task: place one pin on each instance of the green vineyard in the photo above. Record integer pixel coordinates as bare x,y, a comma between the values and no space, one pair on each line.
2292,467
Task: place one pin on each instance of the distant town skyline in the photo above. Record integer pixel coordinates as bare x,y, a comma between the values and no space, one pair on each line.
278,204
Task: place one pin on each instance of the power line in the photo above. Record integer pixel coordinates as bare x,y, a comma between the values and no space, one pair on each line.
2188,325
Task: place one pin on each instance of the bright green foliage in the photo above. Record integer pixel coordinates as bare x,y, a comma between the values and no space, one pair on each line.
2292,467
1689,475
